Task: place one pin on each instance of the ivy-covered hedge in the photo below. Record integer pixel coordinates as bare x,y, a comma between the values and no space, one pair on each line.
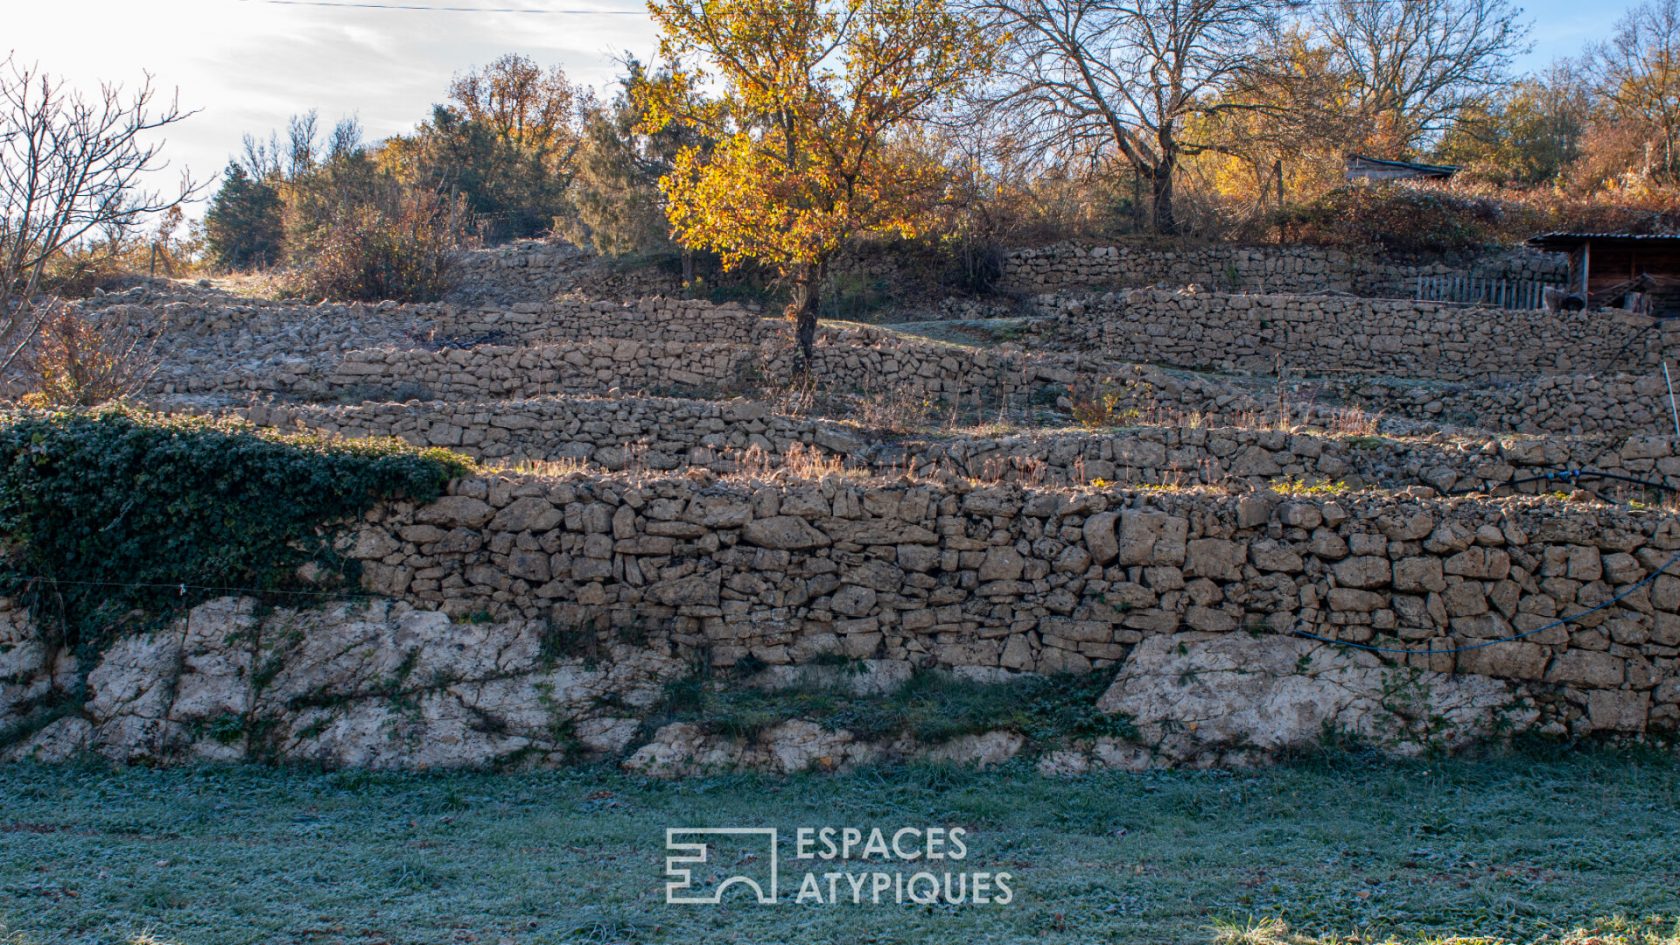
116,519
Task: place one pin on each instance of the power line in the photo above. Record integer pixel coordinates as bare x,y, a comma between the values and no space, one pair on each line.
356,4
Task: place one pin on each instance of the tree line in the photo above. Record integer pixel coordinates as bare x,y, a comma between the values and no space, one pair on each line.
779,132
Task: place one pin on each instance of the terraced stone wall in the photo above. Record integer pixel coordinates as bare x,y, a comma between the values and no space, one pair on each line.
1617,404
851,361
1052,581
575,600
1338,335
1263,269
661,434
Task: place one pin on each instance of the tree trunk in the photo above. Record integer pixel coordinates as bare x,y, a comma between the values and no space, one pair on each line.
1161,191
807,295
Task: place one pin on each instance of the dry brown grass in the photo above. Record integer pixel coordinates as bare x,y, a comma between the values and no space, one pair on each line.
1353,421
896,410
799,462
549,468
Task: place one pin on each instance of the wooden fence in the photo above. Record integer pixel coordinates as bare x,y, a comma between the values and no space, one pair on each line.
1470,289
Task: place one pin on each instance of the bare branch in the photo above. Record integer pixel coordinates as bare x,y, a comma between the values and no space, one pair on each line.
72,166
1415,66
1125,76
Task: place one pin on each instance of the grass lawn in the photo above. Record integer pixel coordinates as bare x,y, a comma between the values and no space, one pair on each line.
1516,848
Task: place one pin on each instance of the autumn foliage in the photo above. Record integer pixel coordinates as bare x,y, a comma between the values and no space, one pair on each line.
805,111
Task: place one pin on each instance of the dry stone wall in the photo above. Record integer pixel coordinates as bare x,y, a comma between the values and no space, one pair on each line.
849,361
213,323
661,434
207,342
1262,269
391,352
1577,404
496,371
650,319
587,594
650,433
968,575
538,271
1338,335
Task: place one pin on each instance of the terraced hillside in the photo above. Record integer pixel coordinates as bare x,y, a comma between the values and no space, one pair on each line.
1221,524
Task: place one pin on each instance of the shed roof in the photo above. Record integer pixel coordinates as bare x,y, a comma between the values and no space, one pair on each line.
1559,242
1356,161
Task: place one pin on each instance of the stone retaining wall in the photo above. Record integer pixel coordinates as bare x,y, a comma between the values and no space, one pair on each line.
1337,335
848,361
1191,595
650,319
649,433
530,271
1264,269
396,352
661,434
1040,580
207,342
495,371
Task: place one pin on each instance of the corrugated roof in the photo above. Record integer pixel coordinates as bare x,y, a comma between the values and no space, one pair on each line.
1555,238
1447,170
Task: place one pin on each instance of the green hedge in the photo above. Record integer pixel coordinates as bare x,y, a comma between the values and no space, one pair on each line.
116,519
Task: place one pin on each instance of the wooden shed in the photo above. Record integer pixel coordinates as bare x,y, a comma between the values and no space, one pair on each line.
1364,167
1620,270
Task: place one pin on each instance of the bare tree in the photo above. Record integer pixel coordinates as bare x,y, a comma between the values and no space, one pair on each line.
521,103
345,140
302,148
1638,74
71,166
1415,65
1124,77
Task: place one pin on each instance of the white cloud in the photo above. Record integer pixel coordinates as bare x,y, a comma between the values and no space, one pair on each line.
248,65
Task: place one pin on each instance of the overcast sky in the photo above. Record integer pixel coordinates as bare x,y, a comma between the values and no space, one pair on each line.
248,64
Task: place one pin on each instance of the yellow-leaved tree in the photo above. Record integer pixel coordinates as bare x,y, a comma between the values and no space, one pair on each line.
802,105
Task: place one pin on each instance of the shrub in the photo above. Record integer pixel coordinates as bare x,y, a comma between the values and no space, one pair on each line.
399,245
1467,214
121,256
79,271
73,362
1395,218
116,519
